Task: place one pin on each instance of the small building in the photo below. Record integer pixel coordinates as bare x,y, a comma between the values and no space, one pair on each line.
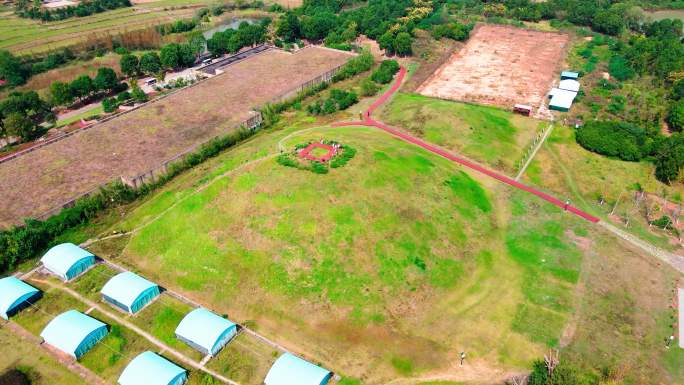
292,370
151,369
67,261
16,295
569,85
569,75
523,109
561,100
74,333
205,331
129,292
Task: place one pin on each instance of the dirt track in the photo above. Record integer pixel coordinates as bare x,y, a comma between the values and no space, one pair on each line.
500,65
142,139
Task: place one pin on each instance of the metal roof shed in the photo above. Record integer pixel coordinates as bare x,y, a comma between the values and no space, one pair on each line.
67,261
292,370
151,369
569,75
74,333
15,295
205,331
561,100
129,292
569,85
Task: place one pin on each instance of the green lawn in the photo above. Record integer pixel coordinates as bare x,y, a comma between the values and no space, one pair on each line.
245,359
42,368
398,243
84,115
161,318
90,283
486,134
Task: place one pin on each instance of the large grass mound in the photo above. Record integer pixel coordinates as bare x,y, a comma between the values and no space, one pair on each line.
389,267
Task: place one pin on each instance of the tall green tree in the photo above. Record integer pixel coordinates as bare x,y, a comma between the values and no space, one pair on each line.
60,94
402,43
11,69
150,64
82,87
676,116
130,65
105,80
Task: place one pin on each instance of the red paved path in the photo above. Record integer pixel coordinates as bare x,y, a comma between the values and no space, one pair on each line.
370,122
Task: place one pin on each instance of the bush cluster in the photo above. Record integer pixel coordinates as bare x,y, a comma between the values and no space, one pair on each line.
385,72
343,156
339,100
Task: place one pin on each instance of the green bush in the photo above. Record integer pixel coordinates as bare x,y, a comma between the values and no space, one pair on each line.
109,105
675,118
616,139
369,87
620,69
385,72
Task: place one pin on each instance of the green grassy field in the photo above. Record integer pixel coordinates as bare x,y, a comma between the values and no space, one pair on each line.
570,171
42,368
245,360
486,134
398,261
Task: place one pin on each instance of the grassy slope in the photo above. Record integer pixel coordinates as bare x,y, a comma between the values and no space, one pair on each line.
486,134
43,368
407,248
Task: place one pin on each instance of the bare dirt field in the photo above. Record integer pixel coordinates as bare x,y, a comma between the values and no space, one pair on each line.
501,66
143,139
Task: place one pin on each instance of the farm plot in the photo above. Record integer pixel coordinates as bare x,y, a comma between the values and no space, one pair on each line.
143,139
501,66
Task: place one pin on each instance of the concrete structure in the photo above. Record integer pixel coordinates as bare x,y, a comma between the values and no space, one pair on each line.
205,331
151,369
561,100
74,333
292,370
15,295
569,75
67,261
129,292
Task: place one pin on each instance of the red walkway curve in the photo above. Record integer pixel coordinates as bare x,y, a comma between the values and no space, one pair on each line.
370,122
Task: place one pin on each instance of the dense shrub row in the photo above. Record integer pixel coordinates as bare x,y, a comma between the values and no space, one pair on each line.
632,143
339,100
232,40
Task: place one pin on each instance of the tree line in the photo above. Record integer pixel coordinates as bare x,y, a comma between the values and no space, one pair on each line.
34,10
390,22
233,40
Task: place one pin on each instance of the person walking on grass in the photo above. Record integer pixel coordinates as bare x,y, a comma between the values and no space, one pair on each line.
463,355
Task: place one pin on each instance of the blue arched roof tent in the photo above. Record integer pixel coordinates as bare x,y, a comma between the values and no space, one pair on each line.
129,291
67,261
292,370
205,331
151,369
15,294
74,333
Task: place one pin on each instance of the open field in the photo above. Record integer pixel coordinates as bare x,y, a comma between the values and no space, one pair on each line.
43,369
500,65
399,261
25,36
488,135
569,170
144,138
